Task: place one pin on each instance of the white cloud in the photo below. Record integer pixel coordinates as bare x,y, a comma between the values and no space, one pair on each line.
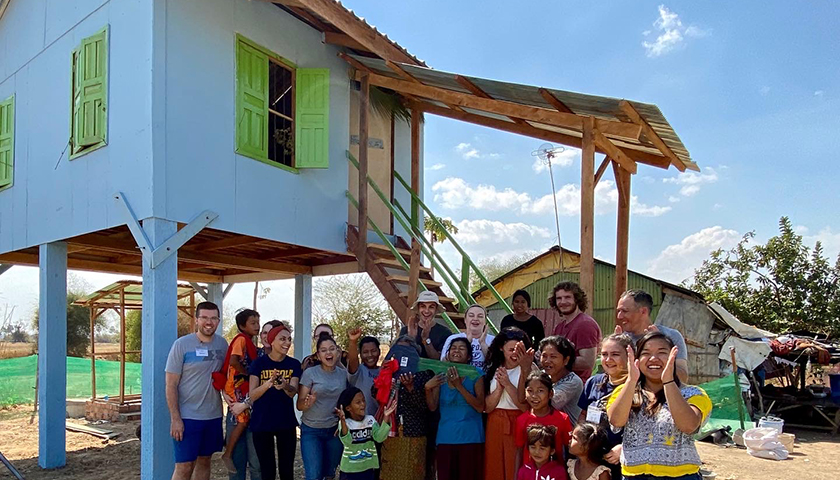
829,239
483,231
455,193
437,166
563,159
691,181
673,199
672,33
819,93
467,151
764,90
678,262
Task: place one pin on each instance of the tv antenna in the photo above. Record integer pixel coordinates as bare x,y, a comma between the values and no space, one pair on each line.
546,153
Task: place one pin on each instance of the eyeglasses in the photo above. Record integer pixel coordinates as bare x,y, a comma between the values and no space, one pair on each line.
203,317
328,350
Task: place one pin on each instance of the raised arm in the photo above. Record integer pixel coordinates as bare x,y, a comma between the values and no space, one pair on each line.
432,390
687,417
353,350
619,410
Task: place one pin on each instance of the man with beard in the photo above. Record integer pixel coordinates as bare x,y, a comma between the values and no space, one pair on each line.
195,406
579,328
633,318
424,329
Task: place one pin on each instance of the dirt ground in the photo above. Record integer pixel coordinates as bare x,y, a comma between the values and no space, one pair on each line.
88,457
815,457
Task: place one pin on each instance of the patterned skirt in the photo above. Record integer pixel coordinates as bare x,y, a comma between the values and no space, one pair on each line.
403,458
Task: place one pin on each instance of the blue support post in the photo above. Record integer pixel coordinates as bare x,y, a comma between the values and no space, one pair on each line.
52,355
160,329
303,315
215,294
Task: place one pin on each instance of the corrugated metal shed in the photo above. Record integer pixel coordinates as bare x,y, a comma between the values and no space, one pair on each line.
606,108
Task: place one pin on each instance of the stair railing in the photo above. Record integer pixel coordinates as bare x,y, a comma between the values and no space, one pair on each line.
459,287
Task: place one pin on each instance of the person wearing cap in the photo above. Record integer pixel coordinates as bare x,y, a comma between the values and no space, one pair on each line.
422,327
274,382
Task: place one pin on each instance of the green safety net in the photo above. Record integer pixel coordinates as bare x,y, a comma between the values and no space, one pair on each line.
17,379
725,400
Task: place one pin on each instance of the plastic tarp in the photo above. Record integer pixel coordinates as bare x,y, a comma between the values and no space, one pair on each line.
725,401
742,329
17,379
748,354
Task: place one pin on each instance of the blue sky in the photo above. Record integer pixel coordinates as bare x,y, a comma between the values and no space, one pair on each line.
752,88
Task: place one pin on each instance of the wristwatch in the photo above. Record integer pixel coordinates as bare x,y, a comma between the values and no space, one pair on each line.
428,341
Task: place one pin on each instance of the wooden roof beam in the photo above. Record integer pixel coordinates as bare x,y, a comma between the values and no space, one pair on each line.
476,90
601,169
235,241
554,101
613,151
634,115
408,77
348,23
343,40
500,107
534,132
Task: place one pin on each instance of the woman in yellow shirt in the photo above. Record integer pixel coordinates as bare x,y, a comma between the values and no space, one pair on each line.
659,415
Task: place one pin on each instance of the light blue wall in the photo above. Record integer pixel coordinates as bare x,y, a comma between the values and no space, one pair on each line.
49,203
203,172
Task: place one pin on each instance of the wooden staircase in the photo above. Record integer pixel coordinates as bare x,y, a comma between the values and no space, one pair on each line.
393,281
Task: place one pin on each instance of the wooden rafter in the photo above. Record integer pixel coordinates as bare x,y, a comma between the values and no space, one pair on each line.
408,77
286,253
509,109
348,23
554,101
234,241
531,131
343,40
476,90
601,169
634,115
617,155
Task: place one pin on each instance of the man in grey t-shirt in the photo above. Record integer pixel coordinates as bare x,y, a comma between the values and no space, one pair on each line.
633,317
195,406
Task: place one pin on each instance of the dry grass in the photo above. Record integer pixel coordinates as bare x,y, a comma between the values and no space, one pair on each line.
15,350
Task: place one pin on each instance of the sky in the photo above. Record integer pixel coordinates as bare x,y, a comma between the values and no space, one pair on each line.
752,88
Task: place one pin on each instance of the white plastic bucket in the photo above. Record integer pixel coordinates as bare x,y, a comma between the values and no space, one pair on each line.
772,422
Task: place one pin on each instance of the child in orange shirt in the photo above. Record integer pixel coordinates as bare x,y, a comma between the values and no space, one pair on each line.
241,352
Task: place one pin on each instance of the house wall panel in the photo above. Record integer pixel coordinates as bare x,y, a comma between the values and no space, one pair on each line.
53,197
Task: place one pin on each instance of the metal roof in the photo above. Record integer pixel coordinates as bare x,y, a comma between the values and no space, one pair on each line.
606,108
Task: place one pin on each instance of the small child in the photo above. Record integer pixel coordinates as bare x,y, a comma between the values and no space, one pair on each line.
358,433
538,393
587,445
241,353
541,448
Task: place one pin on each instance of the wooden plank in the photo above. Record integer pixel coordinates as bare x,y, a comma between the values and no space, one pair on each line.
622,180
392,263
634,115
229,261
476,90
350,24
534,132
343,40
442,299
286,253
413,274
601,169
554,101
405,279
587,211
235,241
508,109
96,432
382,248
617,155
364,127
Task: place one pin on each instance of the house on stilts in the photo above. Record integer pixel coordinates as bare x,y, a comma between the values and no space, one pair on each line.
225,141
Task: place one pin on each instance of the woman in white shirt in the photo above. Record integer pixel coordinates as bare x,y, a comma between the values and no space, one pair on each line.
476,333
502,404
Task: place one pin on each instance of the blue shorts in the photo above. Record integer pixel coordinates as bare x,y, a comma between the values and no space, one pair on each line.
202,438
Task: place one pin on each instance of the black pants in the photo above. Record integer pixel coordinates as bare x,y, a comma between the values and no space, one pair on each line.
286,447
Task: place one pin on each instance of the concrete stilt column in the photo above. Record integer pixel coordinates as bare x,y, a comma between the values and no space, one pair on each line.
303,315
160,329
215,294
52,355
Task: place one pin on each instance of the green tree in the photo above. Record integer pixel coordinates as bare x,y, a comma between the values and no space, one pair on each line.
495,267
134,330
780,286
349,301
78,325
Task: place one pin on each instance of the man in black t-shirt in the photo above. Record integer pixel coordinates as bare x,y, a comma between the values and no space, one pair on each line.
424,329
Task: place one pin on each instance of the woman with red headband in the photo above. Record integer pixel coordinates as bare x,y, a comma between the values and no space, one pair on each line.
274,382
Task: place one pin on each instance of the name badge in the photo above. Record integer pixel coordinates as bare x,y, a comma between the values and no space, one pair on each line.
201,352
593,414
403,361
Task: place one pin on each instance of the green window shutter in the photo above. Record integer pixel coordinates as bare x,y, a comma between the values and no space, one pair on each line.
312,118
7,141
90,92
251,101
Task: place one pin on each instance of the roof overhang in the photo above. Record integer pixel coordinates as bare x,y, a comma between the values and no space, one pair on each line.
626,131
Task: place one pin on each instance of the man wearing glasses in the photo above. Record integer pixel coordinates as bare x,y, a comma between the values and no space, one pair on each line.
195,406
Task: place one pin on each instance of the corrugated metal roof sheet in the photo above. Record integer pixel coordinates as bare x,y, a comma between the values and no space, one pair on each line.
606,108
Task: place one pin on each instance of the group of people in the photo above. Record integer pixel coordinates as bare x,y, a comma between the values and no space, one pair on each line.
470,406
